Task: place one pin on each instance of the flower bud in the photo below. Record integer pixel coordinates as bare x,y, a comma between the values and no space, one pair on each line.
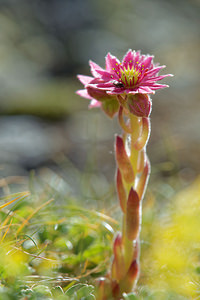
139,105
98,94
108,103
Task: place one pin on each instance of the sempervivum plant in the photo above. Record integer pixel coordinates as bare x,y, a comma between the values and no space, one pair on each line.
124,88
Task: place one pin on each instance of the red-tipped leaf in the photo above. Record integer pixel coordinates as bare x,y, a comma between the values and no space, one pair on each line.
130,279
118,267
121,191
141,186
133,215
123,161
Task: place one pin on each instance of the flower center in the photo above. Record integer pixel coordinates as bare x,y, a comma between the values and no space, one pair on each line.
129,77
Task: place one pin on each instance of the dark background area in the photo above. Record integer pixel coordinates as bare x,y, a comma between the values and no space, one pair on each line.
44,124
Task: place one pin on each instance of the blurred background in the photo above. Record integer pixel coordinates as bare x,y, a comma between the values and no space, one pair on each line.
46,127
50,142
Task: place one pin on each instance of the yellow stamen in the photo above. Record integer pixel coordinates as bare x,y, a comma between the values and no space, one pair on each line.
129,76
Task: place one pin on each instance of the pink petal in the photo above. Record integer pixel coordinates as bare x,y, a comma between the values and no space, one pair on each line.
141,58
102,86
145,89
147,62
153,79
132,92
115,91
105,85
84,79
137,57
112,63
159,86
128,59
83,93
94,67
94,103
154,71
106,75
95,81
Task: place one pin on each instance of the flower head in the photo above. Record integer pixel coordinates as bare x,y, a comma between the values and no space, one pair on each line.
129,80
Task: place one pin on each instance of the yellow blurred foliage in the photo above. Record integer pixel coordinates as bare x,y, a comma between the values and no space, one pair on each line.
173,257
13,262
46,266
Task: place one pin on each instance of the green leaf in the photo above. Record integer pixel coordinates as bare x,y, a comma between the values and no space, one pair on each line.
42,290
80,291
75,288
85,291
83,244
130,296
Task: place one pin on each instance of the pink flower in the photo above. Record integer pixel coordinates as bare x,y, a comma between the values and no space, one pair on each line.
136,74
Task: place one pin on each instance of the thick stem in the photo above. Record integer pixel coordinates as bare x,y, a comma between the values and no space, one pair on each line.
136,132
134,148
132,175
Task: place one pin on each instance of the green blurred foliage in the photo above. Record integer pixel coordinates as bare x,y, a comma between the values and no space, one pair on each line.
56,251
47,247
